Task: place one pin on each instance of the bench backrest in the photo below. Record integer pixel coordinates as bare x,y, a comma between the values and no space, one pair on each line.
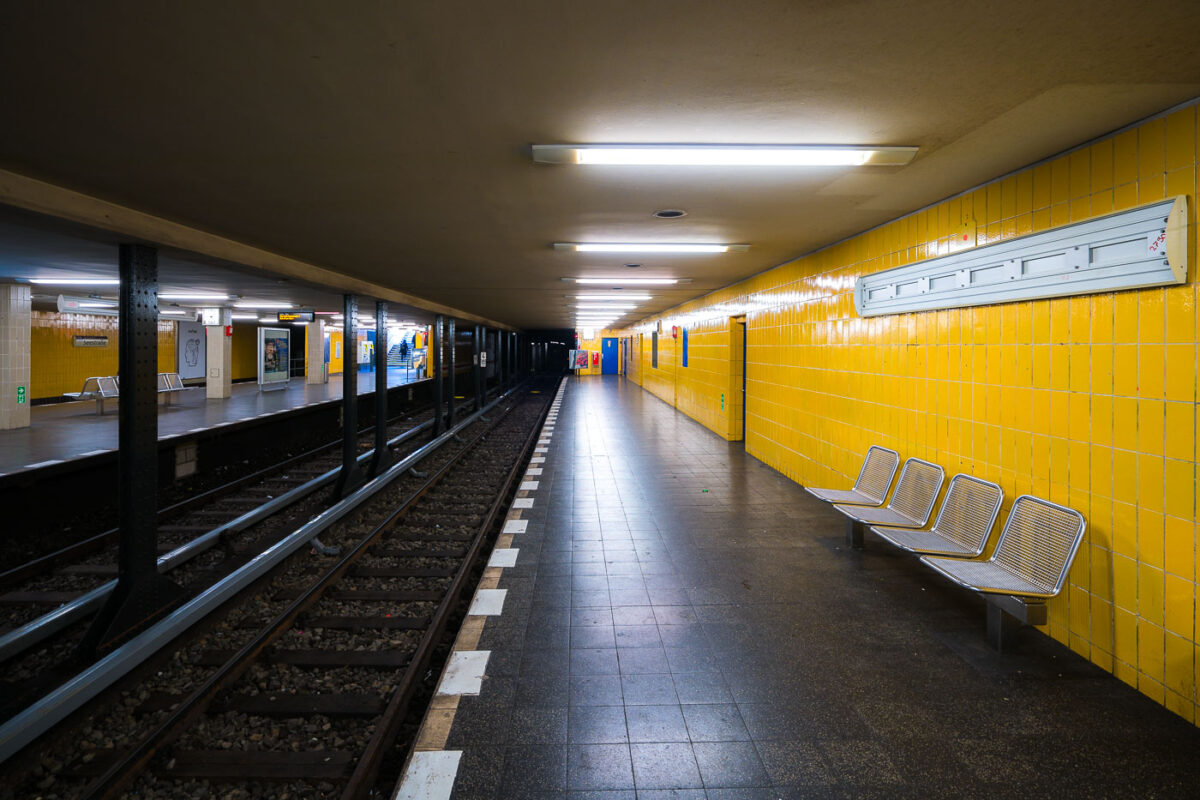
917,490
90,386
1039,541
969,512
878,469
173,381
107,387
163,383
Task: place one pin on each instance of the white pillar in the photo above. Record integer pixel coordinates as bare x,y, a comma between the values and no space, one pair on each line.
219,357
314,355
15,316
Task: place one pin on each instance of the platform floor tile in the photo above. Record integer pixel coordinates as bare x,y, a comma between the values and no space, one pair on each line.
685,622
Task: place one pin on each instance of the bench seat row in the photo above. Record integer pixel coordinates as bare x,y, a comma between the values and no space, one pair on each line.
1031,558
109,388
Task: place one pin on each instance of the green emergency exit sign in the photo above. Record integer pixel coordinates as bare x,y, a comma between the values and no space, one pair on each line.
20,395
722,402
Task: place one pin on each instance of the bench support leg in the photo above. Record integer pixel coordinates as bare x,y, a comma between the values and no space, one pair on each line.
1001,629
854,534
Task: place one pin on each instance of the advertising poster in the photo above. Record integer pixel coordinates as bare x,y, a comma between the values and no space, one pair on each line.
580,360
190,344
273,352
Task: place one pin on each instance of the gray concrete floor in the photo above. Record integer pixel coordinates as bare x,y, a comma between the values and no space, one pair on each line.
684,622
63,431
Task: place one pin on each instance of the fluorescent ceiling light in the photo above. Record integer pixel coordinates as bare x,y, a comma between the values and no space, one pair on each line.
77,281
175,312
648,247
271,320
723,155
258,304
605,306
243,316
625,281
99,304
621,296
185,296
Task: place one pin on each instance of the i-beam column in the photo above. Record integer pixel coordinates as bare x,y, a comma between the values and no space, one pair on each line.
350,477
435,351
382,457
142,595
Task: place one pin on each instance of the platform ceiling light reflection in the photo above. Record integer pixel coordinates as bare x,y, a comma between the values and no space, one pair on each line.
76,281
692,248
723,155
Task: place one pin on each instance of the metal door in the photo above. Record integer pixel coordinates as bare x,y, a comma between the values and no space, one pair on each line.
610,361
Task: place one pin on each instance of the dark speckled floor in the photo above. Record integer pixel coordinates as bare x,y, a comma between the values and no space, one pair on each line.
683,622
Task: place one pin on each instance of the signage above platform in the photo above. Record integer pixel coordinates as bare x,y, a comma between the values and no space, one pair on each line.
307,315
91,341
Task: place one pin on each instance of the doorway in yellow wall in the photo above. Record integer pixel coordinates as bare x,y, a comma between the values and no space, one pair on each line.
336,352
737,378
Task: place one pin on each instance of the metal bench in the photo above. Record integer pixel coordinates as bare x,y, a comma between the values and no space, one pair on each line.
1029,566
874,480
168,384
963,524
98,389
910,506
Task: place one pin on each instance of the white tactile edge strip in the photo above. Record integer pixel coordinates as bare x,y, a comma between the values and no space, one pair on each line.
523,502
488,603
464,672
430,775
515,526
504,557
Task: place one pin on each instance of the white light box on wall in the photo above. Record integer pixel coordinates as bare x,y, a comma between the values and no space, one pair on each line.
1139,248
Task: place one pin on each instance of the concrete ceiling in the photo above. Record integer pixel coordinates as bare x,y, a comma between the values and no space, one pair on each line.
389,141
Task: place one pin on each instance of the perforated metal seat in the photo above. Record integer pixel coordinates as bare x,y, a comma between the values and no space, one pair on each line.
1032,558
911,503
963,524
874,480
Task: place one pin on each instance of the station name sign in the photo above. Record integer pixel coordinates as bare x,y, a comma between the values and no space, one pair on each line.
296,316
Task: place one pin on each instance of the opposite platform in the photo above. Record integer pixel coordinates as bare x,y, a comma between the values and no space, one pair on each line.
65,431
681,621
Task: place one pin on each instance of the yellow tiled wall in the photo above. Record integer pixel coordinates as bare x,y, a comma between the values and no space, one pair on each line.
57,365
1089,401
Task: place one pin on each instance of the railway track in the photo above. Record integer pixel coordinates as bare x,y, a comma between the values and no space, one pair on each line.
301,687
211,537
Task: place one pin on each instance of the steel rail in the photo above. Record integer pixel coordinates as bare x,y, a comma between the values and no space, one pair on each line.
96,542
366,770
42,715
117,778
21,639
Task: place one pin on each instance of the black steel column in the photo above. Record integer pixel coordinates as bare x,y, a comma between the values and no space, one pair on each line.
350,478
480,385
434,349
501,358
453,377
382,458
141,595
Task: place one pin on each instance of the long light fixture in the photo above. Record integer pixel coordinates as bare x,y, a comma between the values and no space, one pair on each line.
244,317
258,304
77,281
603,306
622,281
651,247
193,296
723,155
618,297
